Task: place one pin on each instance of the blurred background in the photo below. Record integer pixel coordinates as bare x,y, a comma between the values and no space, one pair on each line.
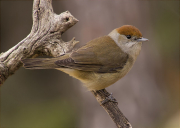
148,95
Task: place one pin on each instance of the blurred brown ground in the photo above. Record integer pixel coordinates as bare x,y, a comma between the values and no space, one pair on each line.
148,95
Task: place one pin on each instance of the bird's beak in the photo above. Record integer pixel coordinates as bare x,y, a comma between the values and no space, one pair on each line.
142,39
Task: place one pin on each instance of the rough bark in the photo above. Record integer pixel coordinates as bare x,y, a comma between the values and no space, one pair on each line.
45,39
111,107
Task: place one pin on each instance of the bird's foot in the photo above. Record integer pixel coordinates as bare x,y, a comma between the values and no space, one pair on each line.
109,98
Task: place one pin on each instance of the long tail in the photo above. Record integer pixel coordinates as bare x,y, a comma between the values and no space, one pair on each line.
39,63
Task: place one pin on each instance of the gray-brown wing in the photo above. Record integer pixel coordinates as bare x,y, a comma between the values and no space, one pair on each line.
97,56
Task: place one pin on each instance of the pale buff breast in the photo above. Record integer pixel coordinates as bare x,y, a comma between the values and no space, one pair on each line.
97,81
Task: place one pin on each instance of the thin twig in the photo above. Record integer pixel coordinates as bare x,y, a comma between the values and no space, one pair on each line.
112,108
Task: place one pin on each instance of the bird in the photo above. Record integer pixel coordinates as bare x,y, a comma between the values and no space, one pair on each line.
99,63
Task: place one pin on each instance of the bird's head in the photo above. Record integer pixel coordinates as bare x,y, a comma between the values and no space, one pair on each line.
128,38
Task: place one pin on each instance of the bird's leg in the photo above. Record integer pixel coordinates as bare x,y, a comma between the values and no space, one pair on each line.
109,98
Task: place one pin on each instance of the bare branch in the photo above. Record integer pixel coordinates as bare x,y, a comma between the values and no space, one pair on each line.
44,38
112,109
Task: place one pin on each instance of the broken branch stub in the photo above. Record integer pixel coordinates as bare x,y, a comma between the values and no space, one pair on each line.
44,38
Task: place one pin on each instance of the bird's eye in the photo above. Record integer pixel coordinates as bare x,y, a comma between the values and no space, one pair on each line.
128,36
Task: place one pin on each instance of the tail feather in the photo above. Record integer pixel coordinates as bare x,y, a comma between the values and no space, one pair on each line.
39,63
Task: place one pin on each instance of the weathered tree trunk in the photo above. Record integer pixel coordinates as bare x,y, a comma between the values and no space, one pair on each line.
44,38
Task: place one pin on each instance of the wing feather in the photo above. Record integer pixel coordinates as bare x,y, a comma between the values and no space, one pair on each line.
97,56
94,57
